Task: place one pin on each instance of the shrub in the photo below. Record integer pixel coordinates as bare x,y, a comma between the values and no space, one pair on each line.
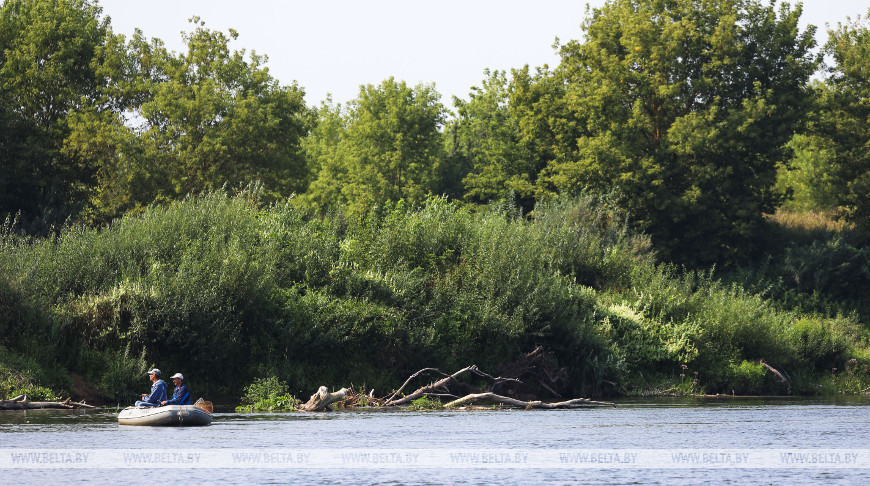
267,395
425,403
19,376
744,378
221,285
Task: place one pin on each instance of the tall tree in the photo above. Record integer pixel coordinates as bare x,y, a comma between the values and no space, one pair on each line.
843,123
326,163
50,58
389,147
503,135
685,106
187,122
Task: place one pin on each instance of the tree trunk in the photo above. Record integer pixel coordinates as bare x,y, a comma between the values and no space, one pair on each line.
322,399
22,403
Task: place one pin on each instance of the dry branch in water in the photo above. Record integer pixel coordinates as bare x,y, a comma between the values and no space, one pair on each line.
440,387
779,375
493,398
22,403
532,362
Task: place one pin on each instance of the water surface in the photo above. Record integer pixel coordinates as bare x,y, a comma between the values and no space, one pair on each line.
634,424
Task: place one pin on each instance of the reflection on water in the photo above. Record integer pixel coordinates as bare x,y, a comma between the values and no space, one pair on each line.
774,423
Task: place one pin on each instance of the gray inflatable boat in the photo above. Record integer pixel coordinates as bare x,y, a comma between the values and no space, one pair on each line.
177,415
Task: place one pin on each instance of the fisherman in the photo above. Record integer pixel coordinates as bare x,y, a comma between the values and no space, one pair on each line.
158,391
181,395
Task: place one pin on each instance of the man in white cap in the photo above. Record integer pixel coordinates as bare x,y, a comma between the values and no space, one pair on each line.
181,395
158,391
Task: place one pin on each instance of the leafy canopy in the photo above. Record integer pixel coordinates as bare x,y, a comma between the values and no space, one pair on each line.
187,122
386,146
684,107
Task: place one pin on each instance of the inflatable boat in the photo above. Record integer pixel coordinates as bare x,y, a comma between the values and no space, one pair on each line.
178,415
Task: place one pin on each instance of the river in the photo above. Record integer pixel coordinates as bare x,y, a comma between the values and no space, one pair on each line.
661,441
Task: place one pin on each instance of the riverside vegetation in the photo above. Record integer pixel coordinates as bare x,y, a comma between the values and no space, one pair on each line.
234,289
678,207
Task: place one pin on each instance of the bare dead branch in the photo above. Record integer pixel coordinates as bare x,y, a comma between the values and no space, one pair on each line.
493,398
442,384
411,378
779,375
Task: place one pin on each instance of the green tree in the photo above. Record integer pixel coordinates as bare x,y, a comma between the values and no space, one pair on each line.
685,107
50,61
808,177
843,124
502,134
323,152
387,146
187,122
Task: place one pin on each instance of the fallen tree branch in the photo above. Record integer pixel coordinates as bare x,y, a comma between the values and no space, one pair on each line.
536,368
411,378
782,378
434,387
322,399
22,403
441,395
493,398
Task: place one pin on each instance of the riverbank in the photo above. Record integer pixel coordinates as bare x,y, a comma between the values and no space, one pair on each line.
226,291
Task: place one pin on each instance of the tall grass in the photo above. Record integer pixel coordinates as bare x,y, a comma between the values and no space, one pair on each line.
225,290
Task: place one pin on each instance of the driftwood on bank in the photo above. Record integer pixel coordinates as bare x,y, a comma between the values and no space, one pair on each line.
507,389
512,402
440,387
22,403
531,364
323,399
779,375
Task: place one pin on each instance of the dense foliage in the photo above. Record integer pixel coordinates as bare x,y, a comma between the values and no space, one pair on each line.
50,58
842,125
685,107
386,147
224,289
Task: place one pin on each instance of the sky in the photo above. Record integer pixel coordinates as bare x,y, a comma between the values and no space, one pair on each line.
334,46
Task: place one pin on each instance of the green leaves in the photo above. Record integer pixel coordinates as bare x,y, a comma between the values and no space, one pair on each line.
49,68
683,108
385,147
200,119
843,125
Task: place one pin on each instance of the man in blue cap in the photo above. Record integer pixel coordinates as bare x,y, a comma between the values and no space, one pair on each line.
158,391
181,395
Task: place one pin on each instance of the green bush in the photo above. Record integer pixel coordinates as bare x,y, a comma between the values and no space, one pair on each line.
19,376
745,378
426,403
820,343
229,289
267,395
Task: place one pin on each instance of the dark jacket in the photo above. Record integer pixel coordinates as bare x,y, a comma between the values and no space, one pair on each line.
181,396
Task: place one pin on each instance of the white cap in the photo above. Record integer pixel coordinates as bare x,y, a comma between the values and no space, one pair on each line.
155,371
178,375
